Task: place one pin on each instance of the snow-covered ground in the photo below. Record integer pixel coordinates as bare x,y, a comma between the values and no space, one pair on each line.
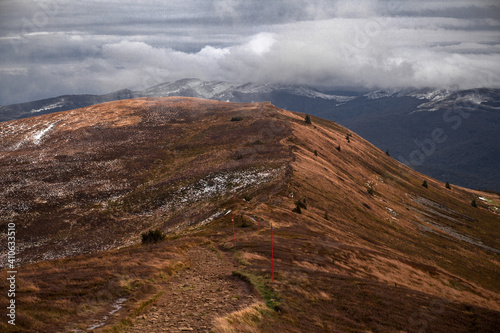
215,185
48,107
37,136
221,90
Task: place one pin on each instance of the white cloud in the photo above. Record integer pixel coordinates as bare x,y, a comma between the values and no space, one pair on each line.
365,43
361,8
260,44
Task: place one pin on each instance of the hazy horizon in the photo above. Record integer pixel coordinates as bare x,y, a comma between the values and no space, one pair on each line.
52,48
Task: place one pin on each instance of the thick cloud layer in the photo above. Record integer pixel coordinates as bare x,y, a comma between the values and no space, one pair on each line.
56,47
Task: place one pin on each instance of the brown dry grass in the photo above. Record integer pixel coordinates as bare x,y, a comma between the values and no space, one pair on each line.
354,260
246,320
68,294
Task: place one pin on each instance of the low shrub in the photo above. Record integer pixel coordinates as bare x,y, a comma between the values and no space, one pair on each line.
153,236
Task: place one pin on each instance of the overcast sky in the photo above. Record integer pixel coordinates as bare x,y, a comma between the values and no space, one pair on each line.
55,47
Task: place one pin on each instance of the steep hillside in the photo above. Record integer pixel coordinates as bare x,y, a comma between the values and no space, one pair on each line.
95,178
329,233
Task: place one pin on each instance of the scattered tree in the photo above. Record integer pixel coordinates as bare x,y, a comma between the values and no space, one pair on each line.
387,152
474,203
301,204
348,138
307,119
315,152
338,148
424,184
448,185
297,209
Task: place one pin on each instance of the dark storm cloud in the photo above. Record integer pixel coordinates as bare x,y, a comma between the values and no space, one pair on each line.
55,47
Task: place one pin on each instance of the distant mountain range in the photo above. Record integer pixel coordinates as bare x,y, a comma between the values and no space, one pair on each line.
450,135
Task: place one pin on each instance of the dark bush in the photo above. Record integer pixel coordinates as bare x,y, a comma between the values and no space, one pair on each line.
424,184
301,204
448,186
237,119
307,119
153,236
338,148
474,203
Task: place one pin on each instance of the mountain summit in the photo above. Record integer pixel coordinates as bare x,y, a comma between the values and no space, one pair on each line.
400,120
271,223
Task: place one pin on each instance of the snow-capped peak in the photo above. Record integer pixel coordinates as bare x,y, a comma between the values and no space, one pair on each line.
222,90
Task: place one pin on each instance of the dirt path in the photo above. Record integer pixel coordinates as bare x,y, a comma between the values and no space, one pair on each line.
197,296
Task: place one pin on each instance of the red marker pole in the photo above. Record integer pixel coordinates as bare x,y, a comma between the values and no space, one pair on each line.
234,233
272,252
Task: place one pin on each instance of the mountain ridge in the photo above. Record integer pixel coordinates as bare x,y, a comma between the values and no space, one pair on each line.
397,120
359,243
218,90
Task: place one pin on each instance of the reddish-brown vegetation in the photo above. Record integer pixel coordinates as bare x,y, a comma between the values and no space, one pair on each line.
372,250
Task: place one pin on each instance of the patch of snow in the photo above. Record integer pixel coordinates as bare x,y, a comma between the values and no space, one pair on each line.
392,211
211,186
48,107
117,305
382,93
441,99
225,91
37,136
251,88
431,95
219,184
473,98
200,88
211,218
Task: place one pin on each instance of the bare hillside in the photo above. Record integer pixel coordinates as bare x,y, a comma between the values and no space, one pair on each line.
358,243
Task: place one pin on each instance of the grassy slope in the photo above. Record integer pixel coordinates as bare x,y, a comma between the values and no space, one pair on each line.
347,263
365,267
